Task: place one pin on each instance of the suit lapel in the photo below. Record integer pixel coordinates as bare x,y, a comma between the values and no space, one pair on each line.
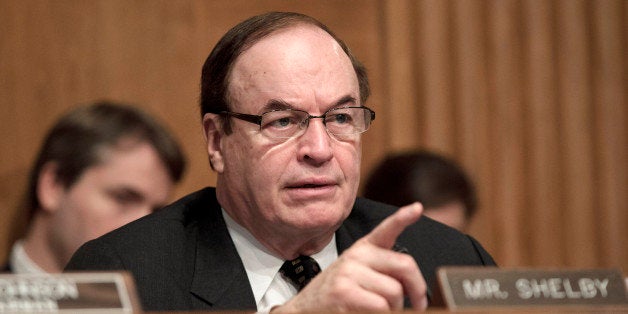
219,276
344,239
353,228
360,222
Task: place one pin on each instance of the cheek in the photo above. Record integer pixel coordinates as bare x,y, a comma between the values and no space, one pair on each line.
101,223
74,223
258,161
110,223
95,215
350,157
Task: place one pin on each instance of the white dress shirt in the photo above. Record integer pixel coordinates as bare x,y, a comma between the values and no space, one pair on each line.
262,267
21,263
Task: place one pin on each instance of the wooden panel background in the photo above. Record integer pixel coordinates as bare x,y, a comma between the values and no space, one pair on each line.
529,95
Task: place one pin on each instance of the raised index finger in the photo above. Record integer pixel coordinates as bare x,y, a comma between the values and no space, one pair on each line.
386,233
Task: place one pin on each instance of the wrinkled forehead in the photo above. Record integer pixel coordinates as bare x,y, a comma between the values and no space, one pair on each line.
297,59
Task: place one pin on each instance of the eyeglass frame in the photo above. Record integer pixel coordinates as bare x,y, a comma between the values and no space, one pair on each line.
257,119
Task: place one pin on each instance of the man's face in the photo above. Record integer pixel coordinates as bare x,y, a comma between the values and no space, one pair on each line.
129,183
304,185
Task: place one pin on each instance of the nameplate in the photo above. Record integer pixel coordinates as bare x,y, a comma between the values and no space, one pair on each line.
68,293
485,287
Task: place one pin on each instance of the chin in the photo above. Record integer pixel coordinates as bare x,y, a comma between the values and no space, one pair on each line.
320,218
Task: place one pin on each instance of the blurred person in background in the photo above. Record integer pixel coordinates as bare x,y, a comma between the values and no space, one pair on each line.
437,182
101,166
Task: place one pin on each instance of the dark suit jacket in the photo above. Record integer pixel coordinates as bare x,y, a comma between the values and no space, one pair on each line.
182,257
6,268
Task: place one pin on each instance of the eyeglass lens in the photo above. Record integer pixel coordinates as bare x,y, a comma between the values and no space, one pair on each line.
290,123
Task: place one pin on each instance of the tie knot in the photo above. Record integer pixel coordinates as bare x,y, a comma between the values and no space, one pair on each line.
300,271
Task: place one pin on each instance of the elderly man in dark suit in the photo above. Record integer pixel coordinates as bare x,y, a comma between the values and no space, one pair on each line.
283,110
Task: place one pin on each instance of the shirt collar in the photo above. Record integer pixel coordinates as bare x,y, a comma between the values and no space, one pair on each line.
260,264
21,263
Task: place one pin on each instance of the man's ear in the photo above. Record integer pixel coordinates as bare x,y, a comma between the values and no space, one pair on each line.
49,190
212,127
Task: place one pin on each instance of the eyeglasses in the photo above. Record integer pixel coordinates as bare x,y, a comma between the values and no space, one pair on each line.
287,123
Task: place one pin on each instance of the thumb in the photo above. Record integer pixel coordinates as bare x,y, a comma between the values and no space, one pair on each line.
386,233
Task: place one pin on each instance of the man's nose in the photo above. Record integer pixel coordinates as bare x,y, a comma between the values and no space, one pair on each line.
315,143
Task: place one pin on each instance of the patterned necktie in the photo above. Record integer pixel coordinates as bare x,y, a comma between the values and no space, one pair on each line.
300,271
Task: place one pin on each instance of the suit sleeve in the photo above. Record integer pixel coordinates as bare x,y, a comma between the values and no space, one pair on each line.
486,258
94,256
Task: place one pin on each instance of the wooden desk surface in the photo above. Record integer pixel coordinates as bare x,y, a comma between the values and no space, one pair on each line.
554,309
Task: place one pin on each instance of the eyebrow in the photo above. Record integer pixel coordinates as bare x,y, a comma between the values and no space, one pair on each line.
127,191
279,104
345,100
135,194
